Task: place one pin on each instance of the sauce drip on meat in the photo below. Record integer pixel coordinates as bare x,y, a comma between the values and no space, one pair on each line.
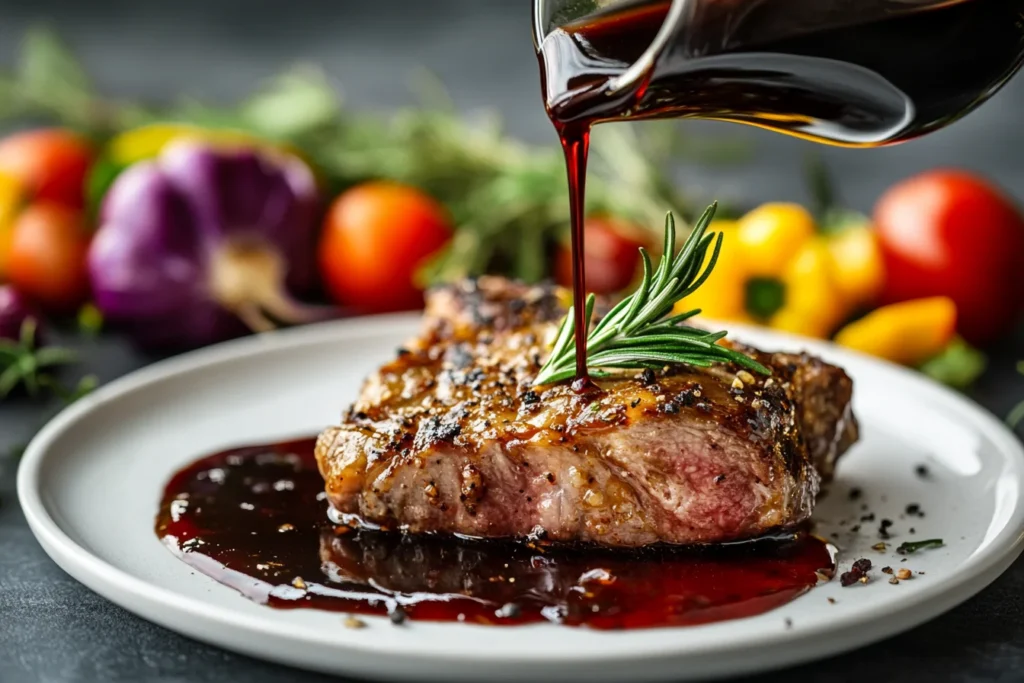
255,519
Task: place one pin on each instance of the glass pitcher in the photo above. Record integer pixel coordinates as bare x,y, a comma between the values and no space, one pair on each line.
847,72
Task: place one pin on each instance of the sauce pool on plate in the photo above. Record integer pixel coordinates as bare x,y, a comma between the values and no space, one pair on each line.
255,519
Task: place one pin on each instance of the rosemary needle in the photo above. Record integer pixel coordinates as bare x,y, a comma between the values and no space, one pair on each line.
639,332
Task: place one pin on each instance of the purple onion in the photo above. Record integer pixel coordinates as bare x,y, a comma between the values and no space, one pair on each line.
14,311
201,243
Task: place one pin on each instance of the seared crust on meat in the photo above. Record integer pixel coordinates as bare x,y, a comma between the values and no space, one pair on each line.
451,437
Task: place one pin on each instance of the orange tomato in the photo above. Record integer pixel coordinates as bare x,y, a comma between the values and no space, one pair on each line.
376,236
50,163
611,257
46,261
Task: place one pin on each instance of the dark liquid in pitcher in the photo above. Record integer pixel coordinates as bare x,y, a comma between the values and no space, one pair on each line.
817,70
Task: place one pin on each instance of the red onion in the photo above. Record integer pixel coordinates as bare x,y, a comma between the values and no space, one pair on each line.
14,311
200,243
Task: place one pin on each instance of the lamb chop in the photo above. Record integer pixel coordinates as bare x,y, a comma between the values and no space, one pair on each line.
452,437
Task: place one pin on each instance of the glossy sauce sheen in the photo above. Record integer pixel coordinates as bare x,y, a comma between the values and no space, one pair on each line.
255,519
857,74
850,73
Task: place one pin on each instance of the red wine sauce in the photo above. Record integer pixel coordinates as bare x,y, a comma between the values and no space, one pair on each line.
255,519
575,141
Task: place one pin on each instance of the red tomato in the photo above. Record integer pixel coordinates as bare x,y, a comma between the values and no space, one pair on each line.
611,261
376,235
50,163
949,233
47,256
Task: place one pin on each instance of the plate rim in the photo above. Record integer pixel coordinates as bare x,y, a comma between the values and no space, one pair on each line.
128,590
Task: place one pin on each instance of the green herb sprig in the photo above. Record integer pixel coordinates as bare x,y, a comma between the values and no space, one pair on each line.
24,363
638,332
913,546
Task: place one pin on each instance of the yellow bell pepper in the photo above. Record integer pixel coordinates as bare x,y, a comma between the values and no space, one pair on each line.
148,141
777,269
908,333
12,198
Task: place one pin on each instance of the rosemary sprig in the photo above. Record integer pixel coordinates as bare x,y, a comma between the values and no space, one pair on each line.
21,361
638,332
913,546
25,363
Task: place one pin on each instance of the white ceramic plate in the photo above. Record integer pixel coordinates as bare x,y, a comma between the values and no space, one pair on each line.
91,481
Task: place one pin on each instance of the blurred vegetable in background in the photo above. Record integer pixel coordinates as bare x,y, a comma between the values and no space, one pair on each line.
950,233
945,246
49,164
199,238
375,239
46,256
957,366
909,333
43,233
15,310
778,268
611,248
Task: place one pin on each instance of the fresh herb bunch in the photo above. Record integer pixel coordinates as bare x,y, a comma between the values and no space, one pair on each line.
639,332
507,199
25,363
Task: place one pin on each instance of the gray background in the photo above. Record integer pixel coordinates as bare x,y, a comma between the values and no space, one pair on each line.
52,629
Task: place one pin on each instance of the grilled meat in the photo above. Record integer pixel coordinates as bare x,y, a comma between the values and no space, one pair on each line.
451,437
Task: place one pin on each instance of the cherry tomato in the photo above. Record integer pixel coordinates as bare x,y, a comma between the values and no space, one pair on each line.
949,233
376,236
611,260
50,163
47,256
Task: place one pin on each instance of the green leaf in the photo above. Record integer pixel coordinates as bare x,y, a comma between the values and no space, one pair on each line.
49,74
958,366
48,356
295,103
101,176
836,220
9,379
12,100
529,263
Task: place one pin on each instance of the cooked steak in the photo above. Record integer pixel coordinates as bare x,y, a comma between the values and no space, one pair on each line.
451,437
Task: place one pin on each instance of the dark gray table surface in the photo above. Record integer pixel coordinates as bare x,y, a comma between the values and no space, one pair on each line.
53,629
